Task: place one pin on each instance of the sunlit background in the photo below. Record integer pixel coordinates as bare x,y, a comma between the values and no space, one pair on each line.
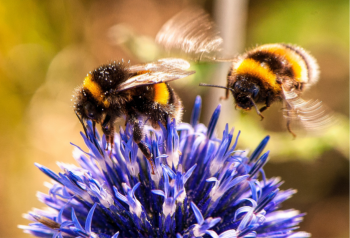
47,48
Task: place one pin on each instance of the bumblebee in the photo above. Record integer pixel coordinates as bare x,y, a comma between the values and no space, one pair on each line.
138,93
265,74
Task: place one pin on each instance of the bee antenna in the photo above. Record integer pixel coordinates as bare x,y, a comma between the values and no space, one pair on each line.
82,123
216,86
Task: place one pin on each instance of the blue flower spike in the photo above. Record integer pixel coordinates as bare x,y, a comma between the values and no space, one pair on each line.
203,187
115,235
225,234
169,205
196,112
130,199
202,225
214,119
89,219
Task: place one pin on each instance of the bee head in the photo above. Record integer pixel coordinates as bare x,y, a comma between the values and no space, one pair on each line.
244,93
87,107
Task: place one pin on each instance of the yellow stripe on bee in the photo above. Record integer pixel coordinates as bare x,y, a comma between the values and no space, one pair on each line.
161,93
295,60
255,69
95,90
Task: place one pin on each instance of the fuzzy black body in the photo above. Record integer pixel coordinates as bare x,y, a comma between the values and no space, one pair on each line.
139,93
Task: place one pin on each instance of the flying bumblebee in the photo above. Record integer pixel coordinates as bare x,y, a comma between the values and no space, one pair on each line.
265,74
138,92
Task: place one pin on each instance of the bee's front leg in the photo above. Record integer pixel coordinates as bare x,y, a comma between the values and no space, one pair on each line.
108,131
269,100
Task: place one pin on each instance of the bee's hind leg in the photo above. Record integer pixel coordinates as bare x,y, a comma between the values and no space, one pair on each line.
289,128
138,136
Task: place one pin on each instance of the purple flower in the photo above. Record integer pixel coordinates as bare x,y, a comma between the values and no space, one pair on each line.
202,187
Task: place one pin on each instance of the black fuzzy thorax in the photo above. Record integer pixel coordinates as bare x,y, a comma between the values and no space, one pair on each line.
109,76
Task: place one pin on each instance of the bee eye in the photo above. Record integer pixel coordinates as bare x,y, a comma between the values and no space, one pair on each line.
90,110
255,92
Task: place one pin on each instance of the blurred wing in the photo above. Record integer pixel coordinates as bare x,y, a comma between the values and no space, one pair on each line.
192,32
161,64
164,70
311,114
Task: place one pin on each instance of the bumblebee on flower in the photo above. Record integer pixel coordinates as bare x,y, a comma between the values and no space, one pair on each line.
203,187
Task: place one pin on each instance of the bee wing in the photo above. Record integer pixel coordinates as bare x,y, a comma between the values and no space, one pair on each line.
161,64
192,32
311,114
164,70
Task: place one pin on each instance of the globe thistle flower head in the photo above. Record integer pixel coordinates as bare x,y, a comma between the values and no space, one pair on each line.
203,186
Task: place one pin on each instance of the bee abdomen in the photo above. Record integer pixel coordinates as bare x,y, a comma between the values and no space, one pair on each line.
161,93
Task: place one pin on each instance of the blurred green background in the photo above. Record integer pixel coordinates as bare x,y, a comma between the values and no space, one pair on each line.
47,47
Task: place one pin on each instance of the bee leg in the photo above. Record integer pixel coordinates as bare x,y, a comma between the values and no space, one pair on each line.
299,86
147,153
138,135
290,130
94,128
82,123
259,113
111,143
108,130
264,108
107,139
268,103
224,97
226,94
